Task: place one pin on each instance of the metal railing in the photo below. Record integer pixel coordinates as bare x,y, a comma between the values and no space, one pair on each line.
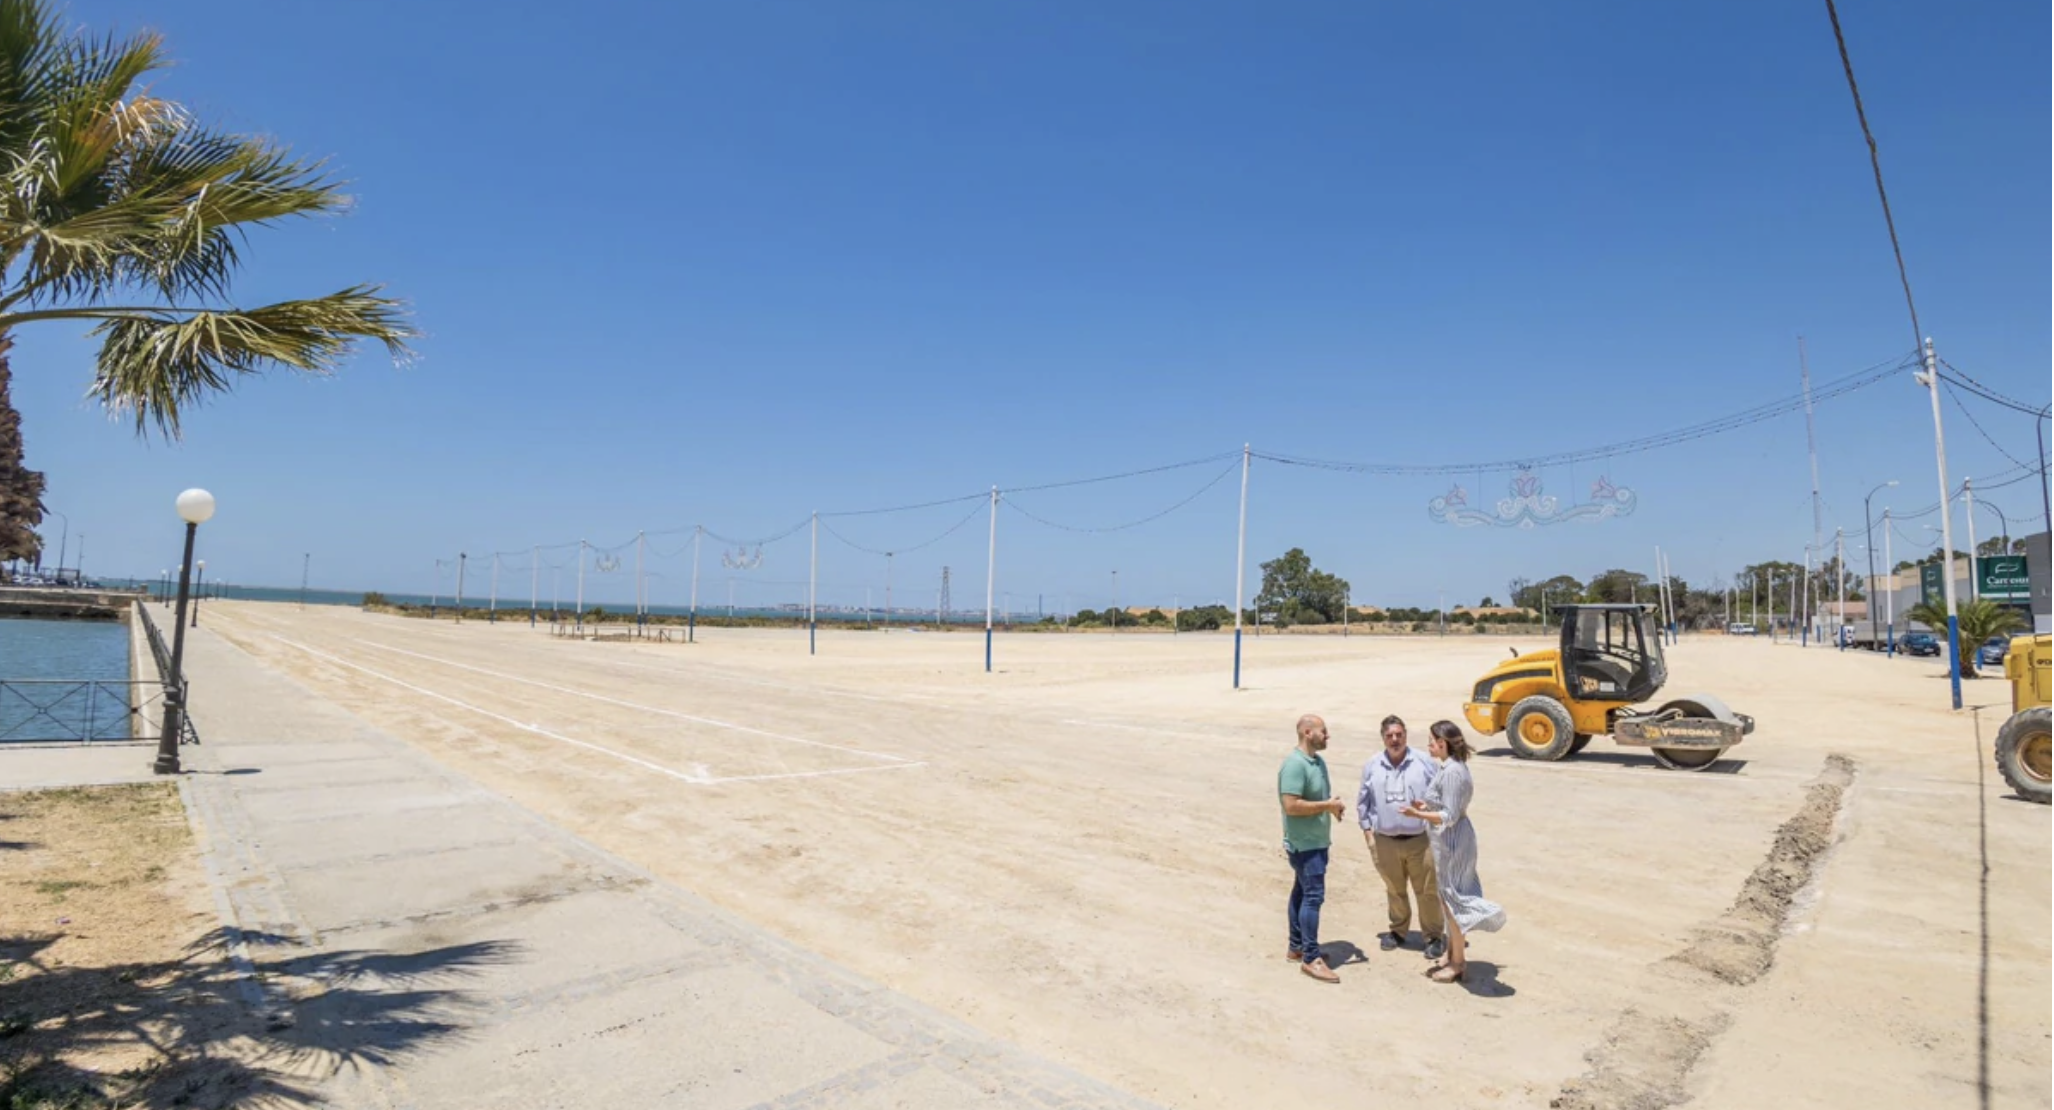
162,654
61,710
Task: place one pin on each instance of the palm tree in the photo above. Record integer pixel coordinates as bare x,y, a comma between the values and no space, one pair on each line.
1979,620
120,210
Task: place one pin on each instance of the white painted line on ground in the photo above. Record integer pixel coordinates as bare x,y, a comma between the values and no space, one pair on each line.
812,774
724,676
753,731
696,780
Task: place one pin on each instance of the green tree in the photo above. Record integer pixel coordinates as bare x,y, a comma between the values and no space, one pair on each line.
21,489
1562,589
119,209
1618,586
1299,593
1204,618
1486,603
1978,620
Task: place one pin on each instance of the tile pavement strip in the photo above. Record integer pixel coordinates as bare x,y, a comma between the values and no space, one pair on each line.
328,840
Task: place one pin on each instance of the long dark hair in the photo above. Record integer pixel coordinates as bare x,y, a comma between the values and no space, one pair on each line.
1449,733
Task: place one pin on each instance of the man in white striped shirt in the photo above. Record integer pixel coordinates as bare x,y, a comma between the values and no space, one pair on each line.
1392,780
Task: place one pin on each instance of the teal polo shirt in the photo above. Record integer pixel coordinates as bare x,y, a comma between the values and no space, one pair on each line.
1305,776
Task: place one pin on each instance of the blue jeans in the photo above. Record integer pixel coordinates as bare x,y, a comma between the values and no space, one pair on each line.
1308,893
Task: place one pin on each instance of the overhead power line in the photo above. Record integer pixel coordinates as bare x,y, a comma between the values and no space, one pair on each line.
1876,163
1782,406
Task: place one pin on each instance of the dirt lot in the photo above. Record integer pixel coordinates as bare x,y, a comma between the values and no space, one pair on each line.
109,954
1079,853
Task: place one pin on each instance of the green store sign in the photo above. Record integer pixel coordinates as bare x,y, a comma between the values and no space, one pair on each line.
2003,578
1998,578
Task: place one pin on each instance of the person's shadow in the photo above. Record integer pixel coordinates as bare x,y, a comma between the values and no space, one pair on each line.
1341,953
1481,979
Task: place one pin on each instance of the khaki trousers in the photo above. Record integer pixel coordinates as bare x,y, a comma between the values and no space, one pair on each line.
1404,863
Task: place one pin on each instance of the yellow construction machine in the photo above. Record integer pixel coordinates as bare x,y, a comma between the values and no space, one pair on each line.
1551,703
2022,744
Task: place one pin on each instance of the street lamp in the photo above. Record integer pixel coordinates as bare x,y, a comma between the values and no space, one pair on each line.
164,576
63,541
1869,533
195,507
199,591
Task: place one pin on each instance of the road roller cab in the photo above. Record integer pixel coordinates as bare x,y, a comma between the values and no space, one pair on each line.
1551,703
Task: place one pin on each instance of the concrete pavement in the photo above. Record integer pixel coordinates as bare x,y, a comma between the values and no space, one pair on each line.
417,941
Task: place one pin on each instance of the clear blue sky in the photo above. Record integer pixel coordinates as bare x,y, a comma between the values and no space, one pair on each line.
731,263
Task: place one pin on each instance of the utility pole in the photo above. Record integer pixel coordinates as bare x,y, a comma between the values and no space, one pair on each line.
534,583
580,618
1889,595
1968,495
813,591
1840,575
990,577
1811,442
460,559
306,565
1931,380
492,606
1240,565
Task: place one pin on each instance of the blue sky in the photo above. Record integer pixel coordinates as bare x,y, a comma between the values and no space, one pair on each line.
732,263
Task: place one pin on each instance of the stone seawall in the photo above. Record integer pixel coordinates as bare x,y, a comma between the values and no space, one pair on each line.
44,603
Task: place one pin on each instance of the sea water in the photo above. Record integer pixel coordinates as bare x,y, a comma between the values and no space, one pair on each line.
34,652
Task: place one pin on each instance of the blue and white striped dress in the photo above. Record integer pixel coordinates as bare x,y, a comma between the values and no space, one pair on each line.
1454,845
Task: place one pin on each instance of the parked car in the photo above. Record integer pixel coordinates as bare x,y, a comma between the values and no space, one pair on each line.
1918,643
1992,653
1740,628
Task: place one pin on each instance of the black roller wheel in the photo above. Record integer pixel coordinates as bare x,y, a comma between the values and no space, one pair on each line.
1539,728
1581,742
2023,754
1690,759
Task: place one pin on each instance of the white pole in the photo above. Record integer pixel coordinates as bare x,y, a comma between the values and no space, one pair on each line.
1806,642
692,620
887,590
1347,603
1840,574
641,585
1793,610
1889,595
1968,495
1116,603
813,591
534,583
1932,383
1240,565
990,577
492,604
581,587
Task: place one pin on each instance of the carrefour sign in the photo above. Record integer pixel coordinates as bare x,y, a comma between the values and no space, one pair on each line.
2003,578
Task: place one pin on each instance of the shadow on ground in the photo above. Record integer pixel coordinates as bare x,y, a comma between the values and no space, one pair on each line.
190,1037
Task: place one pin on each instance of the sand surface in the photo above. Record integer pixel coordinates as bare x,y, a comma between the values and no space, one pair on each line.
1079,852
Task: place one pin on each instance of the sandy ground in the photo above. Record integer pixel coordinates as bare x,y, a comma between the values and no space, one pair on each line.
109,954
1079,852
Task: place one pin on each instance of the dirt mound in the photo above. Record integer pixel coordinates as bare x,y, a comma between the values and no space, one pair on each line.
1740,946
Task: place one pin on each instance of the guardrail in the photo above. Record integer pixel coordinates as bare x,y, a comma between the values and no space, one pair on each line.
74,711
188,734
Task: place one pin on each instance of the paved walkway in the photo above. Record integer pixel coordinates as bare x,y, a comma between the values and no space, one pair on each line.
421,942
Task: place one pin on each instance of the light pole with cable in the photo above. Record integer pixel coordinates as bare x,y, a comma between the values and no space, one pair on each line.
195,507
1869,531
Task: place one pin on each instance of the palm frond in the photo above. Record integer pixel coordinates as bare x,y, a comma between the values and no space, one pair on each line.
154,363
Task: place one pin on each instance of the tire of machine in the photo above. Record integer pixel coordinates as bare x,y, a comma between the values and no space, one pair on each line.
2022,754
1539,727
1690,759
1581,742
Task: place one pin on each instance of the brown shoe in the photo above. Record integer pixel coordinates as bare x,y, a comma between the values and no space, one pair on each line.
1319,970
1295,956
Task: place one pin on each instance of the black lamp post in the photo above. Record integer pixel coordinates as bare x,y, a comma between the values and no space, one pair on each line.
195,507
200,591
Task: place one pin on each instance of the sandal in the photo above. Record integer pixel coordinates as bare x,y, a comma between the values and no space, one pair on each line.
1447,973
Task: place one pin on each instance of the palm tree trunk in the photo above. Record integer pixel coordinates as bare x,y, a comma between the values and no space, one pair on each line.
21,489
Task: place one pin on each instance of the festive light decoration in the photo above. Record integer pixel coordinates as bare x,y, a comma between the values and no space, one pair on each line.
1528,506
741,558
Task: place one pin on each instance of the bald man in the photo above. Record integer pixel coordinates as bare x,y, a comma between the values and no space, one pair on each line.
1305,795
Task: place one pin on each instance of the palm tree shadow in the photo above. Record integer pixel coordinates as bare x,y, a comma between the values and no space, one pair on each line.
205,1043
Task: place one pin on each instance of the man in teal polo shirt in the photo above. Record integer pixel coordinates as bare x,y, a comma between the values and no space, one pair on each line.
1304,792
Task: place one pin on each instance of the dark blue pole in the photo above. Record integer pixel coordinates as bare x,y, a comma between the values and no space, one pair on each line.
1954,651
987,650
1237,658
